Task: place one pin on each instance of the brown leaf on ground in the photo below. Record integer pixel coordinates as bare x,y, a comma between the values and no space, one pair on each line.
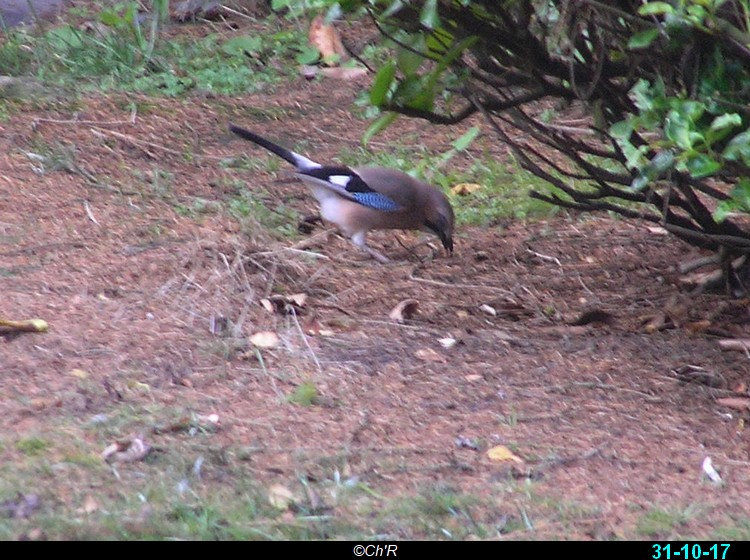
500,454
344,73
326,39
735,403
281,497
265,339
405,309
127,451
89,505
697,327
285,305
429,355
462,189
657,322
739,344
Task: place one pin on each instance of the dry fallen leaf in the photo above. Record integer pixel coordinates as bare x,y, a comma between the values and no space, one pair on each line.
298,299
740,388
404,310
89,505
738,344
344,73
473,377
736,403
696,327
79,373
127,451
29,325
265,339
710,471
447,342
500,453
462,189
285,305
280,496
488,309
326,39
429,355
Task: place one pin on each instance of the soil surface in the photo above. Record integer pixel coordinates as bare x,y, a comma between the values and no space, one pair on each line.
97,242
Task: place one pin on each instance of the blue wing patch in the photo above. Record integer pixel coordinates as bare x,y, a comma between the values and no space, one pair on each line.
376,200
348,183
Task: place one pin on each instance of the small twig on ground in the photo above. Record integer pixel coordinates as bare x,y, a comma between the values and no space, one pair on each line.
689,266
89,212
131,120
292,250
545,257
307,342
237,13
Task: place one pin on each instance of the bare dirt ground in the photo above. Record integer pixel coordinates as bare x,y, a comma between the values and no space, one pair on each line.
611,441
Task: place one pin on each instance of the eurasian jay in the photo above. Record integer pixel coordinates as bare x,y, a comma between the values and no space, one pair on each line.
363,198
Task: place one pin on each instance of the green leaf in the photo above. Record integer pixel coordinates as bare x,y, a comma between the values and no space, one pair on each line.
677,129
465,141
702,166
723,209
111,18
740,200
382,83
655,8
726,120
741,194
643,39
738,148
380,124
429,14
409,61
660,163
622,130
392,9
307,55
240,45
639,183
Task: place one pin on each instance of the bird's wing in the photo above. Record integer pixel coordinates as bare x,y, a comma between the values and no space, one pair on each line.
349,184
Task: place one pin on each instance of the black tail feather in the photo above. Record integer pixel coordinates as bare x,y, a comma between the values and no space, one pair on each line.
288,155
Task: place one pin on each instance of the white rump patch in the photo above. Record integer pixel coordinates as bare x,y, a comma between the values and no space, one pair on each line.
340,180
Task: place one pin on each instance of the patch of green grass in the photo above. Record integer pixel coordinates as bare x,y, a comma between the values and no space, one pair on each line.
738,531
127,52
32,446
435,512
662,523
306,394
257,207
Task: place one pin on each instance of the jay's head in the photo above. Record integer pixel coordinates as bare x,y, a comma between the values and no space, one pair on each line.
439,219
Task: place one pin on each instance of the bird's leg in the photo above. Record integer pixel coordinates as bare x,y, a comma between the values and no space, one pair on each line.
359,240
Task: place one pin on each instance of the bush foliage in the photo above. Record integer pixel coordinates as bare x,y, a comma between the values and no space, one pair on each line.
665,87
